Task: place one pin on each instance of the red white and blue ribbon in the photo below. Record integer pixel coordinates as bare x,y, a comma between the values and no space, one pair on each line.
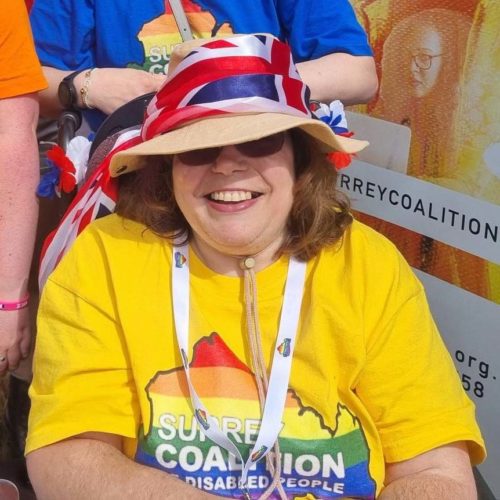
334,116
96,198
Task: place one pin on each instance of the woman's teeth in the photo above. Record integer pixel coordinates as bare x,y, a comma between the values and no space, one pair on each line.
231,196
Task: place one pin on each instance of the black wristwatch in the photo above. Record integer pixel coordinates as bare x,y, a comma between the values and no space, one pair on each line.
67,93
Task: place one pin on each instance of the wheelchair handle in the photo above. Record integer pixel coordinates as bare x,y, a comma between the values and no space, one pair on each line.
68,123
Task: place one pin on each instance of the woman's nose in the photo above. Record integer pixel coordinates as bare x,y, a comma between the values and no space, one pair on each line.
230,160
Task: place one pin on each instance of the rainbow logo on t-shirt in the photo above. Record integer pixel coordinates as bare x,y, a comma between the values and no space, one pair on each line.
315,459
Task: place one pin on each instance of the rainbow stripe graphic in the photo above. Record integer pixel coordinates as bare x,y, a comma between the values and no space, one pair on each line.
159,36
315,459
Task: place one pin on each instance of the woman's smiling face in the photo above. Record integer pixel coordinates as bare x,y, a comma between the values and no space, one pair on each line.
237,204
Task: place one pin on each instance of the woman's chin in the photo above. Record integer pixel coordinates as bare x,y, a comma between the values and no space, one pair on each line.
230,236
239,242
235,245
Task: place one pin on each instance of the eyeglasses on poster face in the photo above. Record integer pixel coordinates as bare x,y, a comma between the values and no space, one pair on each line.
423,60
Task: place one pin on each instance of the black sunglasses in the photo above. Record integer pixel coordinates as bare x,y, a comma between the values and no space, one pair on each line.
254,149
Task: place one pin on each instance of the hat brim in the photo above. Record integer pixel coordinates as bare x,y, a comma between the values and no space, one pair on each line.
226,130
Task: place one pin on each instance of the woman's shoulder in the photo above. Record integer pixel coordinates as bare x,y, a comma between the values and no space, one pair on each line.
366,258
115,240
110,246
114,230
362,241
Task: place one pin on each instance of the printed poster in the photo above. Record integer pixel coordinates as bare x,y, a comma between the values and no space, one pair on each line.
430,180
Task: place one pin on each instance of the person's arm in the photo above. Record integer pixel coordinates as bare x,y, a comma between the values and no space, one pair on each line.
443,473
331,48
92,466
50,107
19,175
109,88
351,79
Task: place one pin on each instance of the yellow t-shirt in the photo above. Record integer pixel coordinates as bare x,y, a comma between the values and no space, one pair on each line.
371,380
20,70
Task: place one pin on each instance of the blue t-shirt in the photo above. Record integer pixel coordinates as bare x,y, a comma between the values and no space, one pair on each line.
80,34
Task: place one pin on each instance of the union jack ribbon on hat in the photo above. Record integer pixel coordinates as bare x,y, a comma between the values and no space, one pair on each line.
243,74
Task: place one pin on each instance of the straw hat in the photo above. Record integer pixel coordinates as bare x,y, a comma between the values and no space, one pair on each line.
223,91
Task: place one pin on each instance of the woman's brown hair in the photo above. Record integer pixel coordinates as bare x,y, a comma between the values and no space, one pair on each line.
318,218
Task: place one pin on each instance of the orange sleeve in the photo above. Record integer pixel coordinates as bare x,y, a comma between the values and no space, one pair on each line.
20,70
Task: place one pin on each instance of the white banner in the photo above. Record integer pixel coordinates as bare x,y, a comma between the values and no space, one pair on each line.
448,216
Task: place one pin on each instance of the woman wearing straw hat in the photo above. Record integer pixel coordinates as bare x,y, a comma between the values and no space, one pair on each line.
231,331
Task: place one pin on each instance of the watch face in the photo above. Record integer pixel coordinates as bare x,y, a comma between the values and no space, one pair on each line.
66,95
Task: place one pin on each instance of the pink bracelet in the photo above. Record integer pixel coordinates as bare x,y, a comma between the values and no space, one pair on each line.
14,306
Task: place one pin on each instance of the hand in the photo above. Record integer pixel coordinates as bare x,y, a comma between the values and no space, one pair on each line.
110,88
15,337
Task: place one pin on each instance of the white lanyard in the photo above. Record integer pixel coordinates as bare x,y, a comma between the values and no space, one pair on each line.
181,20
281,365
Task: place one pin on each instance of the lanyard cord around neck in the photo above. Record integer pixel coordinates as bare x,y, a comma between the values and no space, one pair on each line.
281,365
